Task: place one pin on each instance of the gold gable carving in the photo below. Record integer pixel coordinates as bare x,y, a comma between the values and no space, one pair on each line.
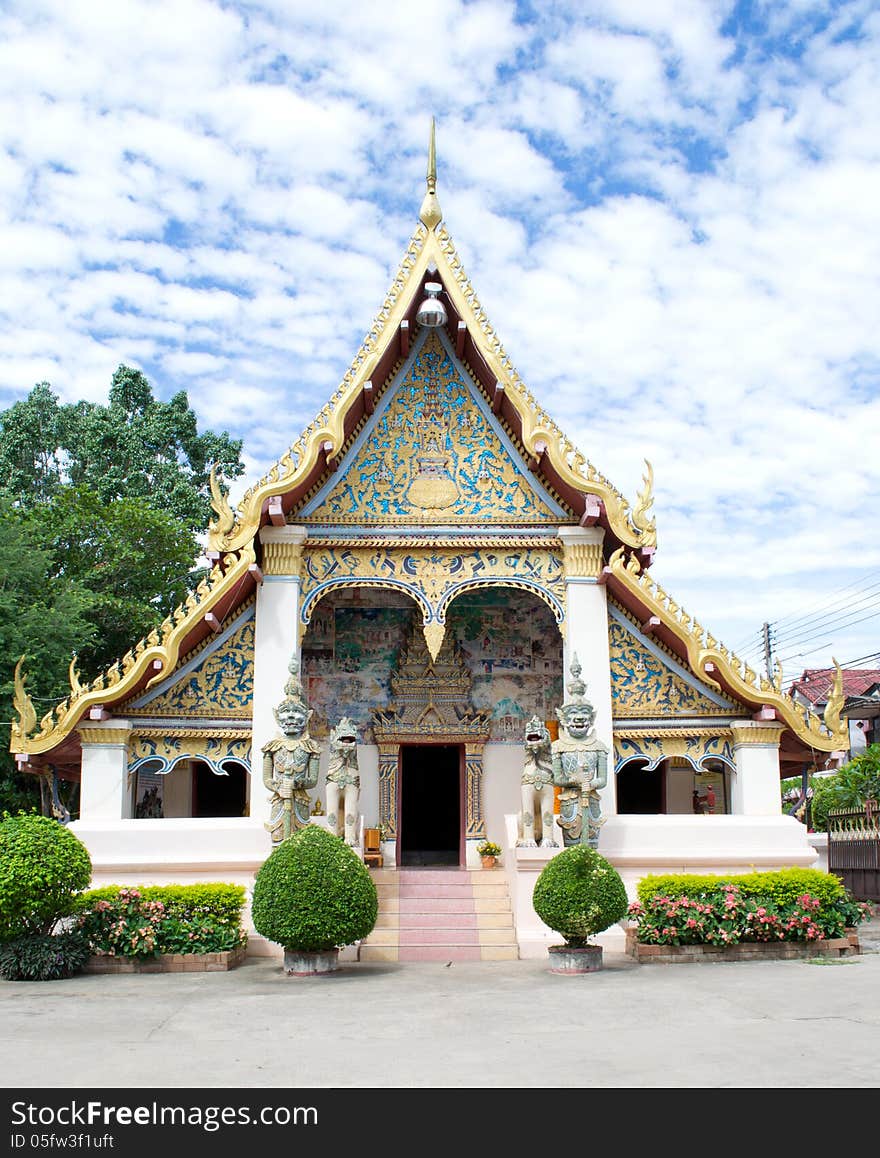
432,456
221,685
642,685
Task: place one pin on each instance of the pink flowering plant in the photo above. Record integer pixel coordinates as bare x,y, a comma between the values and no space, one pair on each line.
727,916
130,922
124,926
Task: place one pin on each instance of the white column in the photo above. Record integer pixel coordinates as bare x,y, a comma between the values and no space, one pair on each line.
105,792
755,786
586,635
276,639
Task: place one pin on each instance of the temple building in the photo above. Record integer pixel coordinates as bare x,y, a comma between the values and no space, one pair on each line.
439,558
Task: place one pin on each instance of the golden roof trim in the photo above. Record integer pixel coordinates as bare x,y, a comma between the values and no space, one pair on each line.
632,526
161,645
683,733
435,542
199,733
704,650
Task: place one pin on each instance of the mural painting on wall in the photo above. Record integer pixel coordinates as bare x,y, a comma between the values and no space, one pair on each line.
349,654
514,652
509,640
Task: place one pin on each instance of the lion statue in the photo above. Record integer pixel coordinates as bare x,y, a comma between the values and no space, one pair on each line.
537,787
343,781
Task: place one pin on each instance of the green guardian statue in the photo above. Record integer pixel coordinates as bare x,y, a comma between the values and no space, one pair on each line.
580,766
290,762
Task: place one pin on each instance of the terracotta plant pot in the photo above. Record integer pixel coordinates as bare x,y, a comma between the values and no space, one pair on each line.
488,861
575,958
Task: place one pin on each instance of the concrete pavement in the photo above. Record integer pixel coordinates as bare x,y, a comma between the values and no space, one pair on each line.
466,1025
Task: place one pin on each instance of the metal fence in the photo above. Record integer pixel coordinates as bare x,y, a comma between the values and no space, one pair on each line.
854,850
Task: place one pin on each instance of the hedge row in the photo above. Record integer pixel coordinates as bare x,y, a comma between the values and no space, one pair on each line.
183,902
781,887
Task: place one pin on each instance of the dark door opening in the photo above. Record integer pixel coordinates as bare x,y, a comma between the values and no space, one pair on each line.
430,804
640,791
215,795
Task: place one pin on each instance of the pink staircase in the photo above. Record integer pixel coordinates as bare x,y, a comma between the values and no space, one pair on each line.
439,914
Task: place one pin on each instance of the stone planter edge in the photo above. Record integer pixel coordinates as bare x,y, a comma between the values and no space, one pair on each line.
168,962
847,946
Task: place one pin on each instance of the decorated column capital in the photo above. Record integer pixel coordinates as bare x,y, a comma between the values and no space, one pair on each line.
582,551
282,549
756,734
112,733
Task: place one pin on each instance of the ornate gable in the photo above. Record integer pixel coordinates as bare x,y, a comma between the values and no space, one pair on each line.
646,681
217,682
433,452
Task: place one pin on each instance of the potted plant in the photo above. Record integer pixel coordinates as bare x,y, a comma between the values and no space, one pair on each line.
489,853
578,894
312,896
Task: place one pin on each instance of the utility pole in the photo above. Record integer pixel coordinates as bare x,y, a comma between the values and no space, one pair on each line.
768,650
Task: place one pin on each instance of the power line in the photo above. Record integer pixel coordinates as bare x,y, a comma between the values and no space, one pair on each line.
827,638
797,627
823,600
861,659
826,623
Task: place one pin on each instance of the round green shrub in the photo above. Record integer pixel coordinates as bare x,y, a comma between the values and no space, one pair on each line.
313,893
43,867
579,894
44,956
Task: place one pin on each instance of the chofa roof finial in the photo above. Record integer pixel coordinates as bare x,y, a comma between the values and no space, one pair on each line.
431,214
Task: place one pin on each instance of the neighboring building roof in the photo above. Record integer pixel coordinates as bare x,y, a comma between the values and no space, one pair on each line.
815,683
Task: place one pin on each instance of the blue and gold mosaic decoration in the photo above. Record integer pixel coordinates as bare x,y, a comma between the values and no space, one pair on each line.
217,682
645,682
696,750
433,453
161,754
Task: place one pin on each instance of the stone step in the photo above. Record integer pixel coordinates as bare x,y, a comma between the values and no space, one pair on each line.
400,920
441,915
450,892
440,935
439,953
444,905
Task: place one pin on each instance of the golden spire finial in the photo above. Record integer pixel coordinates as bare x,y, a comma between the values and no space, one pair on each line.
431,214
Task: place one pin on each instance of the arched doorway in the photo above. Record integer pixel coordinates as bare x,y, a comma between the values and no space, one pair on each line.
640,790
219,794
431,786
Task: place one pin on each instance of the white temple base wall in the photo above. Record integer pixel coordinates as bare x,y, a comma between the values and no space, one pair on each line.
639,845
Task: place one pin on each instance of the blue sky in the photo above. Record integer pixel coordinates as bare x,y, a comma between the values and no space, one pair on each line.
670,210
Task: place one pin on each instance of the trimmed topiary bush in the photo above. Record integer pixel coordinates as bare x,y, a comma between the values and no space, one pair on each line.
579,894
314,894
43,868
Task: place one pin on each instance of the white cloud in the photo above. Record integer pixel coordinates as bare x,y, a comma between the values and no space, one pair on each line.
677,246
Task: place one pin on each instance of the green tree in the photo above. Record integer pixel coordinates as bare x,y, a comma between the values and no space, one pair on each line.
43,617
134,447
849,787
99,510
131,563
